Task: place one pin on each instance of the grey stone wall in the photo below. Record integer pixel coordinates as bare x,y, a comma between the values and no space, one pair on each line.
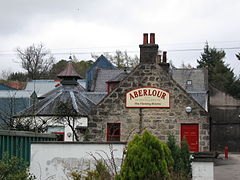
159,121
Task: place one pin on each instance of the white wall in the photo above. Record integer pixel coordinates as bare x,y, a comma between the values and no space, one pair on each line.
202,171
57,160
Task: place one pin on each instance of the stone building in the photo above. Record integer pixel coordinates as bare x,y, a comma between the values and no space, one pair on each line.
149,98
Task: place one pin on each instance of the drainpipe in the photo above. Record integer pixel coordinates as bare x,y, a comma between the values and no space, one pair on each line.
140,121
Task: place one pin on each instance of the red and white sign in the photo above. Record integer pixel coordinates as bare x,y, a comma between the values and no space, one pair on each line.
148,97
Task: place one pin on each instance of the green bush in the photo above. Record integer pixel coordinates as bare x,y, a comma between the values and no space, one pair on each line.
14,168
147,158
101,172
186,158
181,157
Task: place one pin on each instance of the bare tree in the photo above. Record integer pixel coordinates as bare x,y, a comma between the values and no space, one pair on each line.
36,60
5,74
121,59
66,115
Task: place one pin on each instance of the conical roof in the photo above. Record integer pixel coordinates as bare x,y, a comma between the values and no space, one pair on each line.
65,100
69,71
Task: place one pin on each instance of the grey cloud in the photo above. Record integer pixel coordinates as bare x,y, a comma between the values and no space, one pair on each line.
16,15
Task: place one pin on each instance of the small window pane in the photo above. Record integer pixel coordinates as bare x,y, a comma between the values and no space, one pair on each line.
189,82
113,132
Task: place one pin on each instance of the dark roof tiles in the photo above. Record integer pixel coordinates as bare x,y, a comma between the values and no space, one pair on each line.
69,71
102,77
55,104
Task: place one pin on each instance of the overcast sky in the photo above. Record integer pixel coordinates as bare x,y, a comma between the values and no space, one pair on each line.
84,26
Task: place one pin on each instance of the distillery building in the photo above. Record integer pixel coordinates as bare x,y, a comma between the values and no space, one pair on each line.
149,98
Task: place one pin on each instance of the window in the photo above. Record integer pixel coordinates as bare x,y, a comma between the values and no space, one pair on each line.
189,82
113,132
111,86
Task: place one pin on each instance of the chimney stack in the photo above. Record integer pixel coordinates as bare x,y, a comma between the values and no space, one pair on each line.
164,63
152,38
145,38
164,56
148,51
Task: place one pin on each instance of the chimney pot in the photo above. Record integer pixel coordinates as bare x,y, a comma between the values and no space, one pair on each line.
158,59
152,38
145,38
164,56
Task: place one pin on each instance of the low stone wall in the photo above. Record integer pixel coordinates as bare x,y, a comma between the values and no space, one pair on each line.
56,160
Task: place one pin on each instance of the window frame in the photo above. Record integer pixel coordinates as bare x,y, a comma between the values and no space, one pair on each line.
117,135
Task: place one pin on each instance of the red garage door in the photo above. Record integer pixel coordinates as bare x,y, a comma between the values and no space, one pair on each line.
191,134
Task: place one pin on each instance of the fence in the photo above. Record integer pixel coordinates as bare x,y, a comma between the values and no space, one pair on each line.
17,143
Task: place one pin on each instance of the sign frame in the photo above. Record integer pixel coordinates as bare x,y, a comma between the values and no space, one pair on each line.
156,88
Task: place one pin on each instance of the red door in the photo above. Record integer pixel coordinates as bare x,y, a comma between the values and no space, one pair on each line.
191,134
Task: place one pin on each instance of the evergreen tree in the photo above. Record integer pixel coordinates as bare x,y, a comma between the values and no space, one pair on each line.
18,76
14,168
181,157
147,158
220,74
80,66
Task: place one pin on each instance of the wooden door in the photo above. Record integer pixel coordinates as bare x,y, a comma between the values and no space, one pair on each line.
191,133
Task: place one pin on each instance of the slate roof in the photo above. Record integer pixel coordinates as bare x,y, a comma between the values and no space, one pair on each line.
101,62
198,89
80,103
15,94
102,77
71,99
95,97
199,78
69,71
119,77
41,87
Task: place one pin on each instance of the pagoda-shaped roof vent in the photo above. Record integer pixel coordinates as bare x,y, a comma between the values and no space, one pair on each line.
69,76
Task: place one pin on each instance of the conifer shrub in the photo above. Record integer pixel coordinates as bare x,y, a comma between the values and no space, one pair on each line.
181,157
14,168
185,155
101,172
147,158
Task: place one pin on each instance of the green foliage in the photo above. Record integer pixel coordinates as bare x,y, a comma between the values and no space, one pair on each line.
76,175
80,66
18,76
101,172
185,155
13,168
176,153
181,157
147,158
57,68
220,74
